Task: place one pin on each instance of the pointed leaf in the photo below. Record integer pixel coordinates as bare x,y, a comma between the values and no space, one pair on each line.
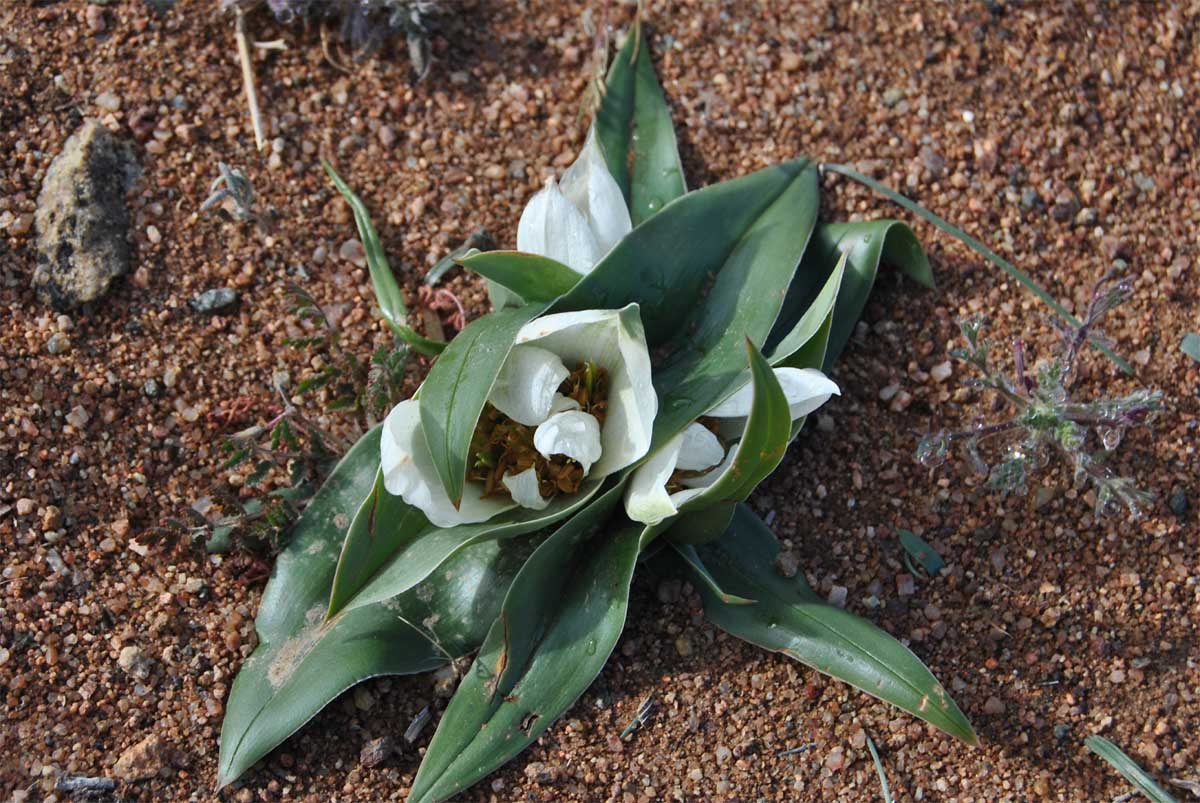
387,291
687,553
416,558
302,661
633,125
1128,768
530,276
383,522
560,621
864,244
795,347
791,619
453,395
766,437
743,237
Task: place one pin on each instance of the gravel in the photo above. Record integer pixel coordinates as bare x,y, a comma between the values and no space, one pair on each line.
1036,606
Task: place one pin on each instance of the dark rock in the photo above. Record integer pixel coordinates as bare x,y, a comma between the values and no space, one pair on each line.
1065,207
1178,502
82,220
1030,198
210,302
376,751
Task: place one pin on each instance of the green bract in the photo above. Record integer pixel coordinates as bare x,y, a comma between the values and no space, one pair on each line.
742,297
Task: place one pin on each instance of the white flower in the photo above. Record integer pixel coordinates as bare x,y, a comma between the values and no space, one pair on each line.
546,351
697,448
578,221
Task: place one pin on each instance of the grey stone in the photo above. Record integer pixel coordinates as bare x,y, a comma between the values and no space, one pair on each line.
82,220
1178,502
210,302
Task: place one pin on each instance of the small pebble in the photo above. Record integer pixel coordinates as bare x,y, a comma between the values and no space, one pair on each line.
150,388
353,251
108,101
904,585
1178,502
213,301
994,705
58,343
153,234
363,699
376,751
941,372
888,392
25,506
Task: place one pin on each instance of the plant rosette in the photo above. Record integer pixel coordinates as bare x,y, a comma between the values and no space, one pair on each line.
651,354
572,404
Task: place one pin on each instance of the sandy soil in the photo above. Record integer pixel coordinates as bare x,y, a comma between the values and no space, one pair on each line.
1062,133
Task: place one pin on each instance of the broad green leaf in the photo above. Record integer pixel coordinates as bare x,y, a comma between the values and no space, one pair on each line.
530,276
791,619
383,522
863,245
796,346
1191,346
687,553
633,125
304,661
1012,270
741,240
415,558
764,440
695,527
559,623
1128,768
458,385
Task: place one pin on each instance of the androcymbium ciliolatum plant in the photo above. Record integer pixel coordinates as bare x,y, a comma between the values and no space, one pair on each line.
503,509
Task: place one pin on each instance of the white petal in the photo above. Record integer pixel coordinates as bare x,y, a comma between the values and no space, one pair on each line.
590,186
573,434
701,449
524,489
527,384
646,498
408,472
613,339
562,403
705,480
552,226
806,389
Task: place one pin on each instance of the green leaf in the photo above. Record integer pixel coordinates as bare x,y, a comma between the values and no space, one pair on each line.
1191,346
687,553
559,623
791,619
921,552
304,661
1012,270
387,291
744,238
764,441
415,558
458,385
532,277
1128,768
419,343
383,522
803,345
863,245
633,126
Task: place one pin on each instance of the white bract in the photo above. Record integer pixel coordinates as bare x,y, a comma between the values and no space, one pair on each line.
576,221
697,448
546,350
